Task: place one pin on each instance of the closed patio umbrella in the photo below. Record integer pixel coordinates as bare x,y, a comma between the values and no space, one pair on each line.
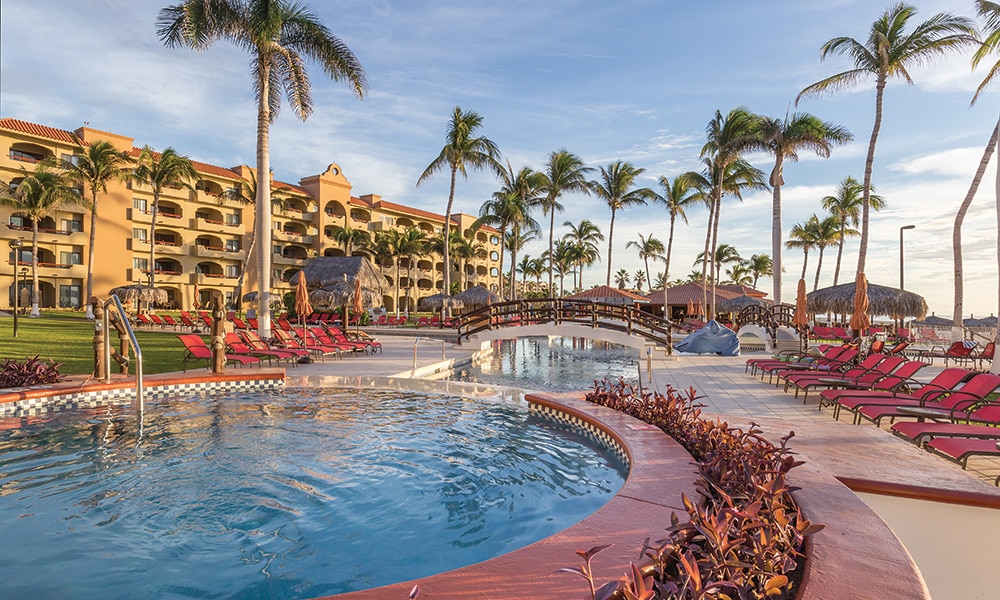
690,309
197,298
302,308
801,317
860,321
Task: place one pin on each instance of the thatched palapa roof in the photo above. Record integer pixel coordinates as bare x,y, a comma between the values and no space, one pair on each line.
330,280
735,305
140,292
476,297
440,301
891,302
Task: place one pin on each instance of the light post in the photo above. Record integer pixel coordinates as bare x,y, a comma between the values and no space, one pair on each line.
901,229
15,246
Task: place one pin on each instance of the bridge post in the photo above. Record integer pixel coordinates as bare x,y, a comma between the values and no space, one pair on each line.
593,315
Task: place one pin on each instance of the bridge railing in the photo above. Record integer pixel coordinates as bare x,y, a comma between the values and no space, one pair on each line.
627,319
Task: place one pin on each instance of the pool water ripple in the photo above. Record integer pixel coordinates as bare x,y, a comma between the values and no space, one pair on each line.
312,493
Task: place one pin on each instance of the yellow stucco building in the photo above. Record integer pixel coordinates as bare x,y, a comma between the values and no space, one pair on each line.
200,239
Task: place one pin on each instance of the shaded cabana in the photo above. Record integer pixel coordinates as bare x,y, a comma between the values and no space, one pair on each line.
476,297
735,305
679,296
934,321
140,292
331,281
440,301
609,295
882,300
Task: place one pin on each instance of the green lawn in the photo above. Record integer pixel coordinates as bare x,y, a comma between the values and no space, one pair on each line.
67,338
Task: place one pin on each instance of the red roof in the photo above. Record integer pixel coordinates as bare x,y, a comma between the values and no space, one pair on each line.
416,212
680,294
198,166
606,291
281,185
52,133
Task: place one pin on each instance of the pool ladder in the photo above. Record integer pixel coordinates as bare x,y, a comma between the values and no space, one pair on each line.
106,329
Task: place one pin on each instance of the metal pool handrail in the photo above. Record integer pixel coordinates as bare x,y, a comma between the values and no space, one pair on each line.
106,328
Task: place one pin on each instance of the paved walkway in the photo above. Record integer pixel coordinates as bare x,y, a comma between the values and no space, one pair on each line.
843,449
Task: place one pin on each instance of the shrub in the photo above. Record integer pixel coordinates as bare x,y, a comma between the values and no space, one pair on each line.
743,538
31,372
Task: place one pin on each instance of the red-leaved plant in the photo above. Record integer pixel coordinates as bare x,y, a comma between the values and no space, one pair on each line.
743,538
30,372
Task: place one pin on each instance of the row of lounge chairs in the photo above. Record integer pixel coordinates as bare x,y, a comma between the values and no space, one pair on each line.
955,415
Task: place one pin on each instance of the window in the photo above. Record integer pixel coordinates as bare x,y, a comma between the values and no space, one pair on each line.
23,156
494,256
72,225
139,234
140,264
494,240
71,159
140,204
71,258
69,296
388,220
234,218
232,271
232,245
277,226
494,272
19,222
276,250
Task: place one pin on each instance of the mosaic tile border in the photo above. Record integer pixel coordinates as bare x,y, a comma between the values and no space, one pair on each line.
582,426
125,395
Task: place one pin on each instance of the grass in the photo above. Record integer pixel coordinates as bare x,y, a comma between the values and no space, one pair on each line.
67,337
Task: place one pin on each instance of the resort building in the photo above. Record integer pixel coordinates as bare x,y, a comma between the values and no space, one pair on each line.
202,236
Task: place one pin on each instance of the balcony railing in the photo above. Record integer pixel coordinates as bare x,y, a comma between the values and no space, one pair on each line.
45,230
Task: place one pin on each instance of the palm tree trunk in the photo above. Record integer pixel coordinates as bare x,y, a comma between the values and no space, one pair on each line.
552,229
513,261
776,231
395,295
704,256
805,261
409,285
819,266
956,236
840,250
90,255
152,238
35,288
666,266
715,248
869,163
995,366
611,236
645,260
503,236
263,201
446,311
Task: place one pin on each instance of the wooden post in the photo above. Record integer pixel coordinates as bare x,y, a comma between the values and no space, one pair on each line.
121,355
218,333
99,366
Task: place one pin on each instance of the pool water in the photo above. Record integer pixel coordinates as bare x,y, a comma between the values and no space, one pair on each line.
283,495
553,364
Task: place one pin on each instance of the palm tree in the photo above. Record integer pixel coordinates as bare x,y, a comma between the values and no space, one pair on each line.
278,35
678,196
584,237
889,51
827,234
846,205
464,250
660,282
725,254
564,172
519,193
640,279
409,244
516,241
739,274
161,170
463,150
349,238
990,13
98,164
648,247
784,138
381,251
36,196
566,255
759,265
616,188
622,279
803,236
524,267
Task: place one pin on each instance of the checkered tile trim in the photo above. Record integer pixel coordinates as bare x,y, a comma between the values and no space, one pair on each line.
583,427
51,404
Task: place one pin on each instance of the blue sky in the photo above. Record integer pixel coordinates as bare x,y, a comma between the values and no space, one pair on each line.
635,80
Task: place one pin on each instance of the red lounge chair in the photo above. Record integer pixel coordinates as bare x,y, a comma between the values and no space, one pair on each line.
898,347
787,357
168,320
840,362
382,321
822,332
187,322
966,403
252,322
883,403
157,320
207,320
957,351
983,356
864,375
143,319
904,334
238,323
960,450
340,337
423,322
196,349
288,341
236,345
253,340
894,382
929,334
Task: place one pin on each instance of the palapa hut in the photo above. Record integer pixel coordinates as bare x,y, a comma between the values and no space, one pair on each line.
330,280
735,305
475,297
885,301
609,295
679,295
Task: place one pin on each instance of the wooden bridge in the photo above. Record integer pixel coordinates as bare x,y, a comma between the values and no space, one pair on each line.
570,317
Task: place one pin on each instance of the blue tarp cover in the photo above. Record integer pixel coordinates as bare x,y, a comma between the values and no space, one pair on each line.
711,339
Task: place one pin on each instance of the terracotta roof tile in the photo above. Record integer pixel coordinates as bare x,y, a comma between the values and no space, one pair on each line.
409,210
606,291
680,294
281,185
198,166
52,133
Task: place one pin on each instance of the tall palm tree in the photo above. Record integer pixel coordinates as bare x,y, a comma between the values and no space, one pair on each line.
464,250
827,234
565,256
410,244
784,139
98,164
524,267
564,172
38,195
622,279
279,35
990,12
803,236
161,170
616,187
463,150
515,241
888,52
678,196
381,251
725,254
846,204
349,238
640,279
759,265
526,187
584,237
739,274
648,247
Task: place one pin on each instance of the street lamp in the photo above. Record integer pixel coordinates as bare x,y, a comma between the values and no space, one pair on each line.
15,246
901,229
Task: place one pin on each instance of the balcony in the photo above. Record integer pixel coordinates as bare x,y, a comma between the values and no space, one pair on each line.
293,237
217,252
167,247
280,259
210,278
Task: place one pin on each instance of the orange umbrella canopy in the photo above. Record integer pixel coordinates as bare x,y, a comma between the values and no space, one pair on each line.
197,298
801,317
302,305
690,310
860,319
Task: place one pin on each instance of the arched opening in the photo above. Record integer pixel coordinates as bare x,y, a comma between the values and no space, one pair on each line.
170,210
334,210
210,242
296,252
209,187
210,215
209,269
288,274
166,237
334,252
29,153
168,266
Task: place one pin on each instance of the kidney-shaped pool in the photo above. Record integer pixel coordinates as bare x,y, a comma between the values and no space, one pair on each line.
291,494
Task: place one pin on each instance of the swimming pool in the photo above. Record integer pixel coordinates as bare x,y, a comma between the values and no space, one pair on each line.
552,364
284,495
